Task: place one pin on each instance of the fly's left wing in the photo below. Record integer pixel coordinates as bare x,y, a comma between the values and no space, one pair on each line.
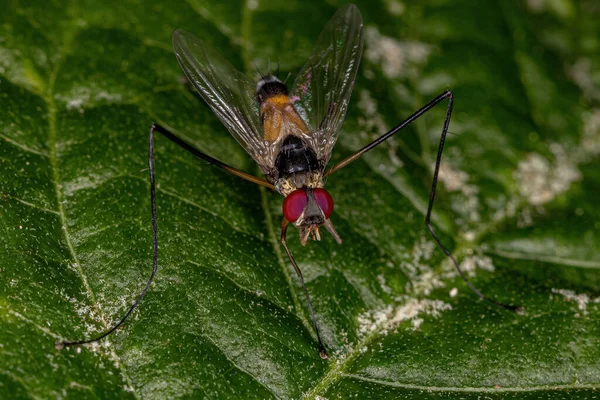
323,87
228,92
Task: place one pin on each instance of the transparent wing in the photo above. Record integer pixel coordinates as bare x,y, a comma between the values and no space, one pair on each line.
228,92
323,87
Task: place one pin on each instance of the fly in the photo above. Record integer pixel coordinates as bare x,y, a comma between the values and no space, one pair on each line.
290,133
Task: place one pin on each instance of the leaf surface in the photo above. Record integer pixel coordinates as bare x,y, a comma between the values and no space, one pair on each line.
81,83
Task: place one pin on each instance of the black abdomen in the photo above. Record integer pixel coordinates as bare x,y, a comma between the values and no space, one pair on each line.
295,157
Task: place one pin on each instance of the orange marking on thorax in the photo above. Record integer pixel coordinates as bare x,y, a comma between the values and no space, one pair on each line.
280,100
279,117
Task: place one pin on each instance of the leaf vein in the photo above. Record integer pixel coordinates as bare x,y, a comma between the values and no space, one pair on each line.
468,389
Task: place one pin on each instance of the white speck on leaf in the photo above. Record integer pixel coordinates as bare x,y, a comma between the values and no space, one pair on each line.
416,323
396,58
83,96
467,207
76,98
252,4
581,73
395,7
452,178
591,132
372,122
581,299
535,5
471,262
469,236
423,279
383,284
560,9
390,317
540,181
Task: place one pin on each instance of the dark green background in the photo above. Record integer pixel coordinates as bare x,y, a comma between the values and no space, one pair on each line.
80,84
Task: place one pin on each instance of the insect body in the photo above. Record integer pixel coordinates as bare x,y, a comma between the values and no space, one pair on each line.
297,172
290,133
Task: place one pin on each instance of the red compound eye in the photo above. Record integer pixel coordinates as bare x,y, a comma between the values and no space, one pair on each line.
325,201
294,204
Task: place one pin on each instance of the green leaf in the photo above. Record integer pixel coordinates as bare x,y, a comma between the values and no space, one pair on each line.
80,84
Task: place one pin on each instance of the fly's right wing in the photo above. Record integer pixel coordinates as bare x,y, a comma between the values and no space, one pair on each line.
323,87
228,92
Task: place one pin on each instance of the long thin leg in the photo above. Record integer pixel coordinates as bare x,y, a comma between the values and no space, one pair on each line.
430,208
60,345
445,95
284,226
183,144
